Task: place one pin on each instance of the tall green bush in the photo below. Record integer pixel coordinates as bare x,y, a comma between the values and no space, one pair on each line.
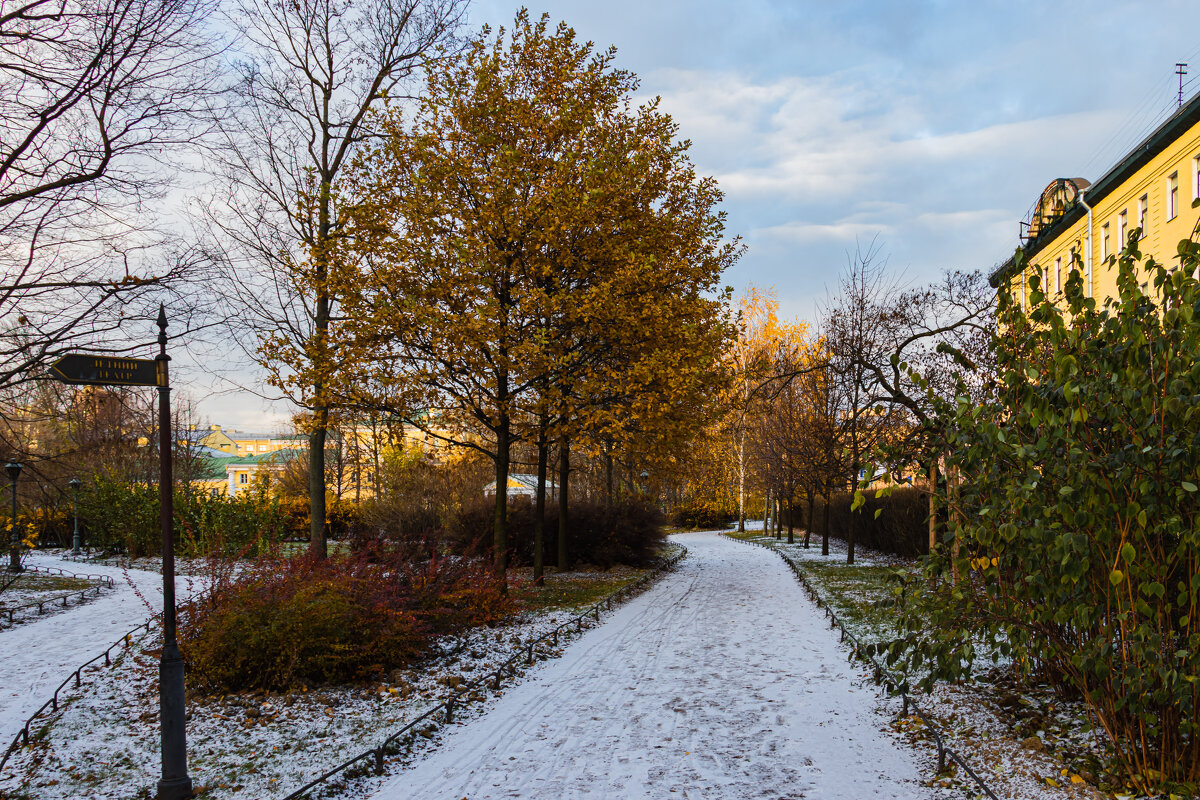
1077,548
121,516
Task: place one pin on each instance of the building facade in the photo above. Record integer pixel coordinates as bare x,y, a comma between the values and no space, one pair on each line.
1085,224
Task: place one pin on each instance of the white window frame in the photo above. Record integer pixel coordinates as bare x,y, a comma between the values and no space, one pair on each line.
1122,229
243,478
1172,195
1104,242
1143,212
1058,275
1196,178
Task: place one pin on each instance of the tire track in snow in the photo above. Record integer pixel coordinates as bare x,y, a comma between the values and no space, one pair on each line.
722,681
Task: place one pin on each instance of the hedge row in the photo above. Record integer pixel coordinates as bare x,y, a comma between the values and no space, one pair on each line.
901,528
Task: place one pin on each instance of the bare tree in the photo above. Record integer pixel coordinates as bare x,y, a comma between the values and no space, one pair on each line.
313,70
95,96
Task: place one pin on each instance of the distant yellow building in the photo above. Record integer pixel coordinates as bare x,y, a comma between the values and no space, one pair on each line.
242,443
248,472
1074,221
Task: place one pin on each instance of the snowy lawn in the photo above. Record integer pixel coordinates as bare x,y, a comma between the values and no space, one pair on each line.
38,655
1021,739
104,744
55,594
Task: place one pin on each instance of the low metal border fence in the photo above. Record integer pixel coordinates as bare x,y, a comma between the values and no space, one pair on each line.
105,583
880,673
76,676
462,695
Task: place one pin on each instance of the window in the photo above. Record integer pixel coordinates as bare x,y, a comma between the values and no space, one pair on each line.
1143,207
243,477
1196,178
1104,242
1058,274
1172,195
214,493
1122,229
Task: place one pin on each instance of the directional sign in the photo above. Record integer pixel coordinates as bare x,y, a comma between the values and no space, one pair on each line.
105,370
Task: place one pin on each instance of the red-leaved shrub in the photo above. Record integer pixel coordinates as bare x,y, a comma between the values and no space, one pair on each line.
286,622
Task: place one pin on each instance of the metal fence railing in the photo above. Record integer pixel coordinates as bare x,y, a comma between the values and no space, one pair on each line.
459,696
104,582
75,677
881,673
373,759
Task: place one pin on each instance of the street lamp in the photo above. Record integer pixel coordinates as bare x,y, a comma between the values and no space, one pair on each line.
14,556
645,476
75,483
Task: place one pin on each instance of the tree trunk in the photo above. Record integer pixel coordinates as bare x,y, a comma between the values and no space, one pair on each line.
853,514
317,546
778,517
742,478
564,473
791,512
933,477
808,525
825,532
608,475
539,511
500,519
766,511
322,311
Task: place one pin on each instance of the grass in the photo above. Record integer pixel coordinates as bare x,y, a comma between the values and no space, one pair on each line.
573,589
36,582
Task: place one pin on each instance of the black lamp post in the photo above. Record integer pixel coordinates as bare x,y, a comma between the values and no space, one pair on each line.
175,783
75,483
14,554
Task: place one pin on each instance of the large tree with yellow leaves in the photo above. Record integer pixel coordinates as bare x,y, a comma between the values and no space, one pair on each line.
531,244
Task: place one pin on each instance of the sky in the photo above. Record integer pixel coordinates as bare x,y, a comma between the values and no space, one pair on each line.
926,129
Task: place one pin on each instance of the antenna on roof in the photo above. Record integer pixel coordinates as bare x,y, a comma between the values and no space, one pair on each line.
1181,70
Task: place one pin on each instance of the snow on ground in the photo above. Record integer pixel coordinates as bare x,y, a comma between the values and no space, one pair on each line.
22,591
719,682
38,655
1023,741
103,745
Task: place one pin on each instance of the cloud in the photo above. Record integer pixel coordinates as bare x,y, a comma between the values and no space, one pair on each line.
806,232
835,138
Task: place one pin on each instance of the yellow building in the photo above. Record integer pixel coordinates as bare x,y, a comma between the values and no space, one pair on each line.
1078,222
243,443
251,471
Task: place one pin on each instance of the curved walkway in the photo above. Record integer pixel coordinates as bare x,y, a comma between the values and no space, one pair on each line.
40,653
720,682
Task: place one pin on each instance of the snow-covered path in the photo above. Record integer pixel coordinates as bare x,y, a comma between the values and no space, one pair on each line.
37,655
721,682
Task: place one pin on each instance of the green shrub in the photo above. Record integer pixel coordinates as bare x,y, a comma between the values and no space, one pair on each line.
289,622
1077,553
123,517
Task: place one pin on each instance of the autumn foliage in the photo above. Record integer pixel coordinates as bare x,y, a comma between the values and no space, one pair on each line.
282,623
